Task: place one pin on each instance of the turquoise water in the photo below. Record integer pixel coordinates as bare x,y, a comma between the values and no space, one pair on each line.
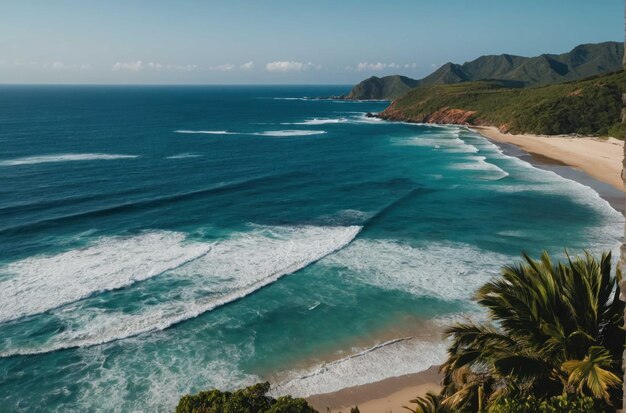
156,241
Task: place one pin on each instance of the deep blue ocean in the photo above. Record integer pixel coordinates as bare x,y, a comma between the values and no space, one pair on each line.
156,241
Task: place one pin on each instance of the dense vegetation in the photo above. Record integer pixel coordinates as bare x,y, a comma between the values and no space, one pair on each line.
581,62
591,106
555,339
253,399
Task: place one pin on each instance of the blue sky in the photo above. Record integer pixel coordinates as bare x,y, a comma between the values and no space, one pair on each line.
281,41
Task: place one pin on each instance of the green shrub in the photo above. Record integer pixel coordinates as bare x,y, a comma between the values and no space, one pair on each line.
555,404
252,399
617,131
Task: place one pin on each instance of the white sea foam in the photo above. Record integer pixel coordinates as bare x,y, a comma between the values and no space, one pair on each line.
142,380
450,271
444,142
184,156
316,121
205,132
479,163
392,358
218,274
64,157
37,284
302,98
362,118
284,133
273,133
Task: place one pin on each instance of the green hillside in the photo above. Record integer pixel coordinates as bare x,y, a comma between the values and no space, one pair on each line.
388,87
581,62
591,106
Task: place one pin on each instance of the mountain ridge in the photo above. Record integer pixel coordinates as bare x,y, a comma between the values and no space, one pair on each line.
582,61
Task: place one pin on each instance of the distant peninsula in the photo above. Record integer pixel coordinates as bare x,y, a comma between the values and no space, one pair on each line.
510,71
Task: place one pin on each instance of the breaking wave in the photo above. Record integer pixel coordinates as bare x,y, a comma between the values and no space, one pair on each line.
67,157
195,277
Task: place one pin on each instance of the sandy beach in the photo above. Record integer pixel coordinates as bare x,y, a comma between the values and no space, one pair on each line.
389,395
597,157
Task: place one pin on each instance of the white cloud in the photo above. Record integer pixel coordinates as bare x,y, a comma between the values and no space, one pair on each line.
57,65
130,66
247,66
367,66
228,67
287,66
138,66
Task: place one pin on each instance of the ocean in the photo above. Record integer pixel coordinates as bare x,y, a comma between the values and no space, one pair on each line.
157,241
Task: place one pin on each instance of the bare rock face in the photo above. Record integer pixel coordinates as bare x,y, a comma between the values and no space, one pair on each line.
446,115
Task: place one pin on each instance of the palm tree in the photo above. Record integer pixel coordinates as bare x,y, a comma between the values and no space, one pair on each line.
555,329
430,403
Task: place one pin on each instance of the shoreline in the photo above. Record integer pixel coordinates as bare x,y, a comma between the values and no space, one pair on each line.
388,395
600,159
590,161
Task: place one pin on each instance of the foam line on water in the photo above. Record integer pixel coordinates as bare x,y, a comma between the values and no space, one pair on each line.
271,133
41,283
392,358
479,163
225,271
205,132
538,179
64,157
184,156
284,133
444,142
449,271
318,121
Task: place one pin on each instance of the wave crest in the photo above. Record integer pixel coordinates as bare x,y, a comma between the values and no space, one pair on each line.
215,274
64,157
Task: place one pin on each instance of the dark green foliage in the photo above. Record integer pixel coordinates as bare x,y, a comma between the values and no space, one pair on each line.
617,131
252,399
430,403
556,404
513,71
590,107
355,409
556,330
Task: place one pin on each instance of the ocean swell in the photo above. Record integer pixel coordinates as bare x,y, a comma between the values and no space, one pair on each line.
201,277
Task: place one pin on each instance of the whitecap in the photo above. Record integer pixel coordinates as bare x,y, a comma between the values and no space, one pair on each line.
66,157
217,274
273,133
479,163
285,133
41,283
184,156
317,121
205,132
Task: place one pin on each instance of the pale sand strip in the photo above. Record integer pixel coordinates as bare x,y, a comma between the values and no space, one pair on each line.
599,158
384,396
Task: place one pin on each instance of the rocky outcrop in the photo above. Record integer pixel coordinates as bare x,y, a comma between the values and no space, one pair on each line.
442,116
